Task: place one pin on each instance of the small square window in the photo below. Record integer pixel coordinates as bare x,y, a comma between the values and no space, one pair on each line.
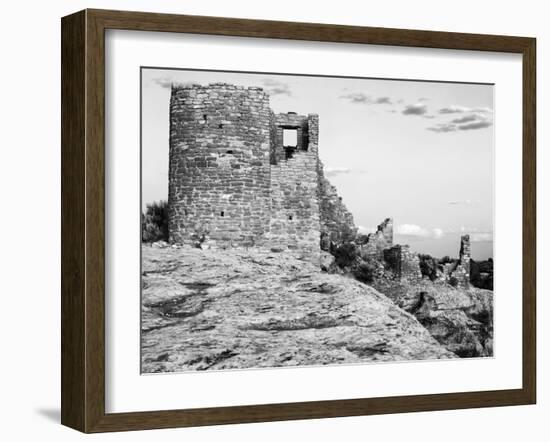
290,137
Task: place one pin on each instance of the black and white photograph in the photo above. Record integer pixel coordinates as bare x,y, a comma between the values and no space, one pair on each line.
302,220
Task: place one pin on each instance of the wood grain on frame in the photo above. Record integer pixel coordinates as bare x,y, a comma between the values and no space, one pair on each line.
83,219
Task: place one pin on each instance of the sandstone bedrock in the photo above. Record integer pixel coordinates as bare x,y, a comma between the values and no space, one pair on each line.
235,309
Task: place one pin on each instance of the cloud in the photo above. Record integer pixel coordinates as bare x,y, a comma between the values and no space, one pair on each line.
412,230
335,171
476,125
275,87
167,82
163,82
415,109
462,202
467,122
481,237
476,234
465,119
360,98
455,109
366,230
442,128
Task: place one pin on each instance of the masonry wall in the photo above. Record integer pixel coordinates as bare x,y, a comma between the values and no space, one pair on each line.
374,244
404,263
461,273
294,218
337,225
219,172
233,182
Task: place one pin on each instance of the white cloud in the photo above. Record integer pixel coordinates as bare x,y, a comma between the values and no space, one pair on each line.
361,98
366,230
416,231
455,109
335,171
168,82
442,128
481,237
476,120
463,202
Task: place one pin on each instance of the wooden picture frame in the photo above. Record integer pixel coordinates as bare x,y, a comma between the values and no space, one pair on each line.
83,220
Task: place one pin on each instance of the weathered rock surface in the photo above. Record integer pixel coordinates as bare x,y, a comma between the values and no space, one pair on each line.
206,309
461,319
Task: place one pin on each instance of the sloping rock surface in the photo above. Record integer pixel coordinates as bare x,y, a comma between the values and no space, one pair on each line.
461,319
207,309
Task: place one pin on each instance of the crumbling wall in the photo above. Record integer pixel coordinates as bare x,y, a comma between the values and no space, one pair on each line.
460,275
234,182
294,218
337,225
374,244
219,171
403,263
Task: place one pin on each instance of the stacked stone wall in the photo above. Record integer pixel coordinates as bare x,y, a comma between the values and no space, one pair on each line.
374,244
337,224
461,273
219,172
294,220
233,182
404,263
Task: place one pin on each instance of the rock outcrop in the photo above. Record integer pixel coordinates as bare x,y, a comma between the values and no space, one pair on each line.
460,319
206,309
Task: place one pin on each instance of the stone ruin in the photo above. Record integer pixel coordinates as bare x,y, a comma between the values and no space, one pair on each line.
374,244
242,176
403,264
457,273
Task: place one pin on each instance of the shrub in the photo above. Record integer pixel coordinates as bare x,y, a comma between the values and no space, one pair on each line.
364,272
428,266
345,255
154,223
453,281
481,274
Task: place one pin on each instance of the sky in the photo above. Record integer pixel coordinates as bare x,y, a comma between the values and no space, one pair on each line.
416,151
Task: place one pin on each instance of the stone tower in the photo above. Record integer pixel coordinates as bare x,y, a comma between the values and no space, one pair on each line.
462,271
242,176
219,171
